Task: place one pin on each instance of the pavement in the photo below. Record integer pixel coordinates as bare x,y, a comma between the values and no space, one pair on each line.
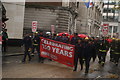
14,68
13,51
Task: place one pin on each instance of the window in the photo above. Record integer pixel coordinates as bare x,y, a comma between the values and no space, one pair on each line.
108,10
115,18
115,29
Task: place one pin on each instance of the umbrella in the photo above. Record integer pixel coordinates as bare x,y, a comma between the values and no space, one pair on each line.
82,35
79,35
60,34
109,40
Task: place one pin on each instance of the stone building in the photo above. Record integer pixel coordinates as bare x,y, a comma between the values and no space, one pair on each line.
111,16
89,20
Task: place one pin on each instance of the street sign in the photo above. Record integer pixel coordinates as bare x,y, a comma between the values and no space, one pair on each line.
105,29
52,29
34,26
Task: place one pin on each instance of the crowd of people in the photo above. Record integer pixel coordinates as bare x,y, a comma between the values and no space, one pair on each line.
85,48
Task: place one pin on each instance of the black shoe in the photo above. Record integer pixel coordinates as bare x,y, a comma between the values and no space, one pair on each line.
99,62
23,61
86,72
102,64
116,64
42,61
30,59
81,68
50,59
32,55
74,70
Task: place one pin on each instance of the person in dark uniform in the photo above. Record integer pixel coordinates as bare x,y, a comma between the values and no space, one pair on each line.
4,40
96,44
87,53
103,49
57,38
74,39
36,45
93,51
27,42
78,55
115,51
112,49
64,38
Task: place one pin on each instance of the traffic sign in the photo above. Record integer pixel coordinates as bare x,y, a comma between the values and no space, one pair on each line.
34,26
105,29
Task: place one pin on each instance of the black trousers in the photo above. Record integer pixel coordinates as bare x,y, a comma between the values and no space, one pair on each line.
80,59
111,55
38,52
26,53
102,57
94,56
87,63
116,58
4,46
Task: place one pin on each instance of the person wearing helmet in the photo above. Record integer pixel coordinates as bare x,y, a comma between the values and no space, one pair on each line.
74,39
115,51
78,55
27,42
97,45
103,49
4,40
36,45
87,53
112,49
64,38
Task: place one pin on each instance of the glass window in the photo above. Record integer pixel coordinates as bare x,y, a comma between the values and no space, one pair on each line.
110,29
108,10
105,1
116,18
104,17
115,29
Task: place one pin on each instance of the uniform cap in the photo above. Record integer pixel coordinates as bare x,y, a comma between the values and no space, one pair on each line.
36,32
86,38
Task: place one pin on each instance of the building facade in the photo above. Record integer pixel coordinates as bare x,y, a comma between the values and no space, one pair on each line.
89,20
65,16
110,16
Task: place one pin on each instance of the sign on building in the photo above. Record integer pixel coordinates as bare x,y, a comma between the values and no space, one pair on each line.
105,29
34,26
52,29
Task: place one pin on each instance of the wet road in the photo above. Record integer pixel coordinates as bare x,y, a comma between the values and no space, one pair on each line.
13,68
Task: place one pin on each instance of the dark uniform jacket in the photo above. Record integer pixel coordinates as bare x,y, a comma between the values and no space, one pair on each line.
88,49
36,40
104,45
27,41
78,50
74,40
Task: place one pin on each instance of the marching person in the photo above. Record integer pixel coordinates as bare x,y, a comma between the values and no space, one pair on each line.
115,51
97,45
112,49
103,49
36,45
64,38
87,53
4,40
74,39
117,54
78,55
27,42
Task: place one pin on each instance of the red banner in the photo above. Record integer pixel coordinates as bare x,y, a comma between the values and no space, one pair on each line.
57,51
